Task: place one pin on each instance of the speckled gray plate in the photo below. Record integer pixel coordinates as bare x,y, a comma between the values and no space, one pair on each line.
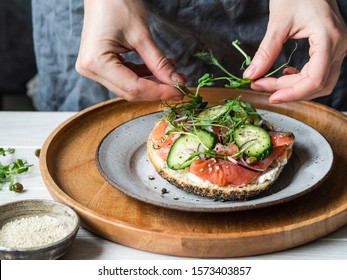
122,160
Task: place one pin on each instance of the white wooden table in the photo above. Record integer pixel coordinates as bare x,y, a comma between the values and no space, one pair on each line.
26,132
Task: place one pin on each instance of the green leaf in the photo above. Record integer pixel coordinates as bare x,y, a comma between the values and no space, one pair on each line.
236,108
204,77
8,172
3,152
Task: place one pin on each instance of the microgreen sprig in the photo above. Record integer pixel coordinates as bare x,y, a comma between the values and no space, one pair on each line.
8,172
233,81
284,64
4,152
248,59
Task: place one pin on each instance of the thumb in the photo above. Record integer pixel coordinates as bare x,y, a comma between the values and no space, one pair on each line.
161,67
265,56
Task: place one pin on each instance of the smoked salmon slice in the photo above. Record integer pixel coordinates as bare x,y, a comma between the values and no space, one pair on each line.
161,142
281,138
222,172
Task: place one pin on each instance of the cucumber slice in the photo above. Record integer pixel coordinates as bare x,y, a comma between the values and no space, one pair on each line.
180,155
213,113
259,140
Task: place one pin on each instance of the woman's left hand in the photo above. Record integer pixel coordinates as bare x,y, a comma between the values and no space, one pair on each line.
320,22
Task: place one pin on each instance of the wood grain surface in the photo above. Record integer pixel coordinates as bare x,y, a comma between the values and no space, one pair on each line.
68,167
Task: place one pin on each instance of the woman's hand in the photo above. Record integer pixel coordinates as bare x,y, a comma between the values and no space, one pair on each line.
113,27
320,22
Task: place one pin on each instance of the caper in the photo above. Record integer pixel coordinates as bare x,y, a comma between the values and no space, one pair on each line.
249,120
18,187
289,134
251,160
37,152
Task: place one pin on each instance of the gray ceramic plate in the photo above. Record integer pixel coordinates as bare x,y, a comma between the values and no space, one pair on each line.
123,162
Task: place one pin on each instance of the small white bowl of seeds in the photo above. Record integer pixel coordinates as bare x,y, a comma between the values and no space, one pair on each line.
36,229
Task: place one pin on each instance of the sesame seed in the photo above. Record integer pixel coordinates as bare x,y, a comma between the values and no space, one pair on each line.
32,231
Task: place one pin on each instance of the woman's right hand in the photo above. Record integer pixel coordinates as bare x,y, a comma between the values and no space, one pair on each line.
113,27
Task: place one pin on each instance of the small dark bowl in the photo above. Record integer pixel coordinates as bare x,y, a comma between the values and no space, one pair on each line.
28,208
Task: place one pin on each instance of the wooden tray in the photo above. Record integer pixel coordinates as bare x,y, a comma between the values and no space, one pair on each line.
69,170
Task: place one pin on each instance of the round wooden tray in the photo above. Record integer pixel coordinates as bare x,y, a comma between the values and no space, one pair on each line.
68,168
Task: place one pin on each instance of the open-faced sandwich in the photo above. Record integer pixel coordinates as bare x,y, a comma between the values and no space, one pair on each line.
226,152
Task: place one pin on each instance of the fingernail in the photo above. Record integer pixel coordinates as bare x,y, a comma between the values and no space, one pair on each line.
274,101
275,98
249,71
256,87
177,78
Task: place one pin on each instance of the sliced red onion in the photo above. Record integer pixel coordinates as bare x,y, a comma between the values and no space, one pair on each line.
247,144
181,119
201,149
192,121
187,128
234,161
245,164
190,151
202,156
